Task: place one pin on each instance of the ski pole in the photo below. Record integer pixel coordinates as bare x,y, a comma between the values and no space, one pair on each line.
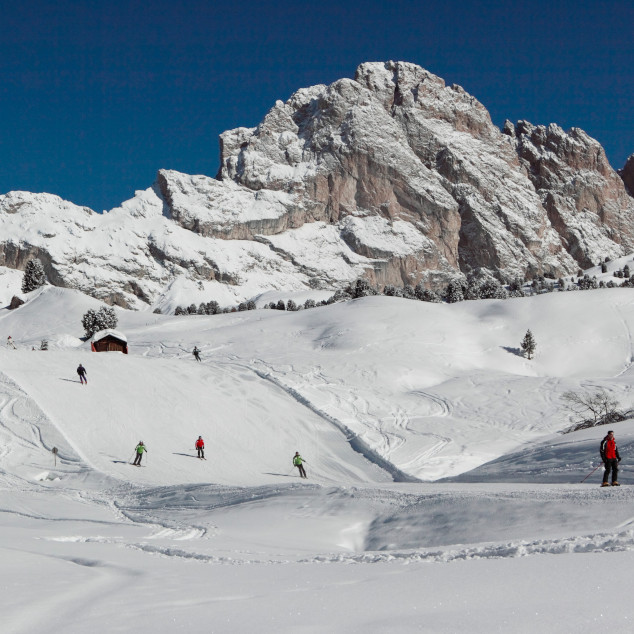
591,472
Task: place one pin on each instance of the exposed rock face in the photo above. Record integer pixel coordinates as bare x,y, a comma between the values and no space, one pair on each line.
340,153
392,175
225,209
399,144
627,174
15,302
585,199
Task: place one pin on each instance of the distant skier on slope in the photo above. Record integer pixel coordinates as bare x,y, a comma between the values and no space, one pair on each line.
297,461
610,456
200,447
81,370
10,343
140,448
196,353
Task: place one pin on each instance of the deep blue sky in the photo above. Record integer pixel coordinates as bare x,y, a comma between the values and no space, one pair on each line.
96,96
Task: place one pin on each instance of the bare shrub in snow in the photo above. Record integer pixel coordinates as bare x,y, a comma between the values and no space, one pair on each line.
592,408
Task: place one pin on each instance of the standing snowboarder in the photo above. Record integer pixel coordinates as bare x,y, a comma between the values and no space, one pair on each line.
200,447
140,448
81,370
196,353
610,456
297,461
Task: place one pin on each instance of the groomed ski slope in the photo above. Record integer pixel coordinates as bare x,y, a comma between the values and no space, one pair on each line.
426,391
251,427
383,397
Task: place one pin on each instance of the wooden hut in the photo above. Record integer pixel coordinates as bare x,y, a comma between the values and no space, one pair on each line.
109,341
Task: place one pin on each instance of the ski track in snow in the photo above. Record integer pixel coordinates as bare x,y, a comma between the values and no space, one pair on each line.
629,360
355,440
162,527
597,543
145,512
393,429
21,432
622,540
401,442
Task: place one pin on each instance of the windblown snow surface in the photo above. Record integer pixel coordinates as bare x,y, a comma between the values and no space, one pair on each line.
441,496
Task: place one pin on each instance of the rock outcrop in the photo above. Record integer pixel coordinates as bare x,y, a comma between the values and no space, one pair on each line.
627,174
399,144
584,197
391,175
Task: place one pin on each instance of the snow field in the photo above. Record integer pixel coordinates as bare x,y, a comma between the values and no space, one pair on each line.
382,396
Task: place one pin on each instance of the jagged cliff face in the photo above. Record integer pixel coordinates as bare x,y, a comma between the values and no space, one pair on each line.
392,175
627,174
585,199
398,144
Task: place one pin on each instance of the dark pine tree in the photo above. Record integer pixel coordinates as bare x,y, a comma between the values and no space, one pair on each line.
528,344
34,276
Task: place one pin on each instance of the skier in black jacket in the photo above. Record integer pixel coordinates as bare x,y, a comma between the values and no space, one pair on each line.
611,458
81,370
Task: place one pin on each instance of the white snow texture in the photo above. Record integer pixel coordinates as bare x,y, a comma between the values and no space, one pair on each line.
384,397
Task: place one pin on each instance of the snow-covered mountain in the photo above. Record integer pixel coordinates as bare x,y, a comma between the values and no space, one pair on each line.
391,175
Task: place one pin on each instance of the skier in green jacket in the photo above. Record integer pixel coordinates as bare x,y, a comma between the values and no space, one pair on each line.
140,448
297,461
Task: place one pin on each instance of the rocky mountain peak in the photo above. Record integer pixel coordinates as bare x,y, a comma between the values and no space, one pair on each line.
405,85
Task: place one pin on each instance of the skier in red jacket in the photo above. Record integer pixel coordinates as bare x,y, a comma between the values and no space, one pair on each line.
610,456
200,447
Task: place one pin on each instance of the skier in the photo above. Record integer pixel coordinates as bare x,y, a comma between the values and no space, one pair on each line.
200,447
140,448
196,353
297,461
10,343
81,370
610,456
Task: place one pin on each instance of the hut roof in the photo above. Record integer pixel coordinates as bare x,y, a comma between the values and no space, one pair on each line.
102,334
